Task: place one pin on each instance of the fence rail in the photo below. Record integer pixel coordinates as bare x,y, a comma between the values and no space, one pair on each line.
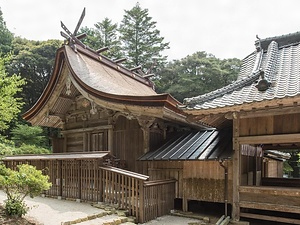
89,180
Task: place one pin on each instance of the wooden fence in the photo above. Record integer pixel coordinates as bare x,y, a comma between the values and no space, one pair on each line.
89,180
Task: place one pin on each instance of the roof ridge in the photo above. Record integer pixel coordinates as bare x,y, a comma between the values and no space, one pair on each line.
222,91
282,40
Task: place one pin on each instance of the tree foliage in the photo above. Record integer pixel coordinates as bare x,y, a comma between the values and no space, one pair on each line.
29,135
6,37
141,40
17,184
105,34
33,60
196,74
10,105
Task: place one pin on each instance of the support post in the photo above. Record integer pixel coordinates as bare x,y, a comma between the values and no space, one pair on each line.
236,168
146,123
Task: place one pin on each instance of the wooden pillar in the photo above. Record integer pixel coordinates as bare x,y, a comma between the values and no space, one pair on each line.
185,207
110,140
236,167
84,142
146,123
65,142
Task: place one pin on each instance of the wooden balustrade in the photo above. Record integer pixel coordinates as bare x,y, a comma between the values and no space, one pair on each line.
158,198
123,188
89,180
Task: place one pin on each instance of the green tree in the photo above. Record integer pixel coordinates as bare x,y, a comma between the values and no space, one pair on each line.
141,40
196,74
33,60
10,105
26,181
92,40
6,37
109,37
105,34
24,134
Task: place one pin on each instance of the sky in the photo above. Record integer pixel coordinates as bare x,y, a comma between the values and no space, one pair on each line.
224,28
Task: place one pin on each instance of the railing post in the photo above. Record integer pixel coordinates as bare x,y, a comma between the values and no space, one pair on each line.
79,178
141,202
101,184
60,188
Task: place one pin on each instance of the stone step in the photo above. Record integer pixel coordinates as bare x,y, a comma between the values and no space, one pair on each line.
112,219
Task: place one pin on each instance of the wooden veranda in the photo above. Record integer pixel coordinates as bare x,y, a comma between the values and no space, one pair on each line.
89,177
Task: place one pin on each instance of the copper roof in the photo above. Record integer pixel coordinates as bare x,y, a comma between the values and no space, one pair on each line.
277,58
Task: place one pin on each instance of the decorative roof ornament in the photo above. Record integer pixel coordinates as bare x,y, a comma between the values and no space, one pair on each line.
262,84
258,44
68,86
73,38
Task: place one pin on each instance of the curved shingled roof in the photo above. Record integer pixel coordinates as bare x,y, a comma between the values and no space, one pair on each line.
101,81
278,58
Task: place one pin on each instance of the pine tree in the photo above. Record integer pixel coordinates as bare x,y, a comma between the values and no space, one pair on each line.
109,37
141,41
105,34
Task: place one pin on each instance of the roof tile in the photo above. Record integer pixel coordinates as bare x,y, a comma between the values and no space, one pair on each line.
280,62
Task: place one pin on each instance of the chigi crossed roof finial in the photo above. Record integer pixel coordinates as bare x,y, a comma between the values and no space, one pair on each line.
73,38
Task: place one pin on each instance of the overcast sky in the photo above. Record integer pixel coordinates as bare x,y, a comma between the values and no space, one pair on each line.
225,28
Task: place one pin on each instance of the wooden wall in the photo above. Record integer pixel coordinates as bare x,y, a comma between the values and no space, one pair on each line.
86,132
196,180
278,124
128,143
160,170
204,181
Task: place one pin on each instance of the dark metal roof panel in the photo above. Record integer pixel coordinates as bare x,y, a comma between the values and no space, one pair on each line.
194,145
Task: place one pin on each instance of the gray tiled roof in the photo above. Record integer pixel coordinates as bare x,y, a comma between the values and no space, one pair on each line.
278,58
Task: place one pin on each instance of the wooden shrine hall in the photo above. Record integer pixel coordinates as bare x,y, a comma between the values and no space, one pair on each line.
122,143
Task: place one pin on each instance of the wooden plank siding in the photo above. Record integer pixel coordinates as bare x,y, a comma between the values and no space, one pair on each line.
277,124
128,143
278,199
160,170
196,180
204,181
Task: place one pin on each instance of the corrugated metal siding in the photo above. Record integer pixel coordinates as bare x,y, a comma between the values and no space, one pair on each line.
194,145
